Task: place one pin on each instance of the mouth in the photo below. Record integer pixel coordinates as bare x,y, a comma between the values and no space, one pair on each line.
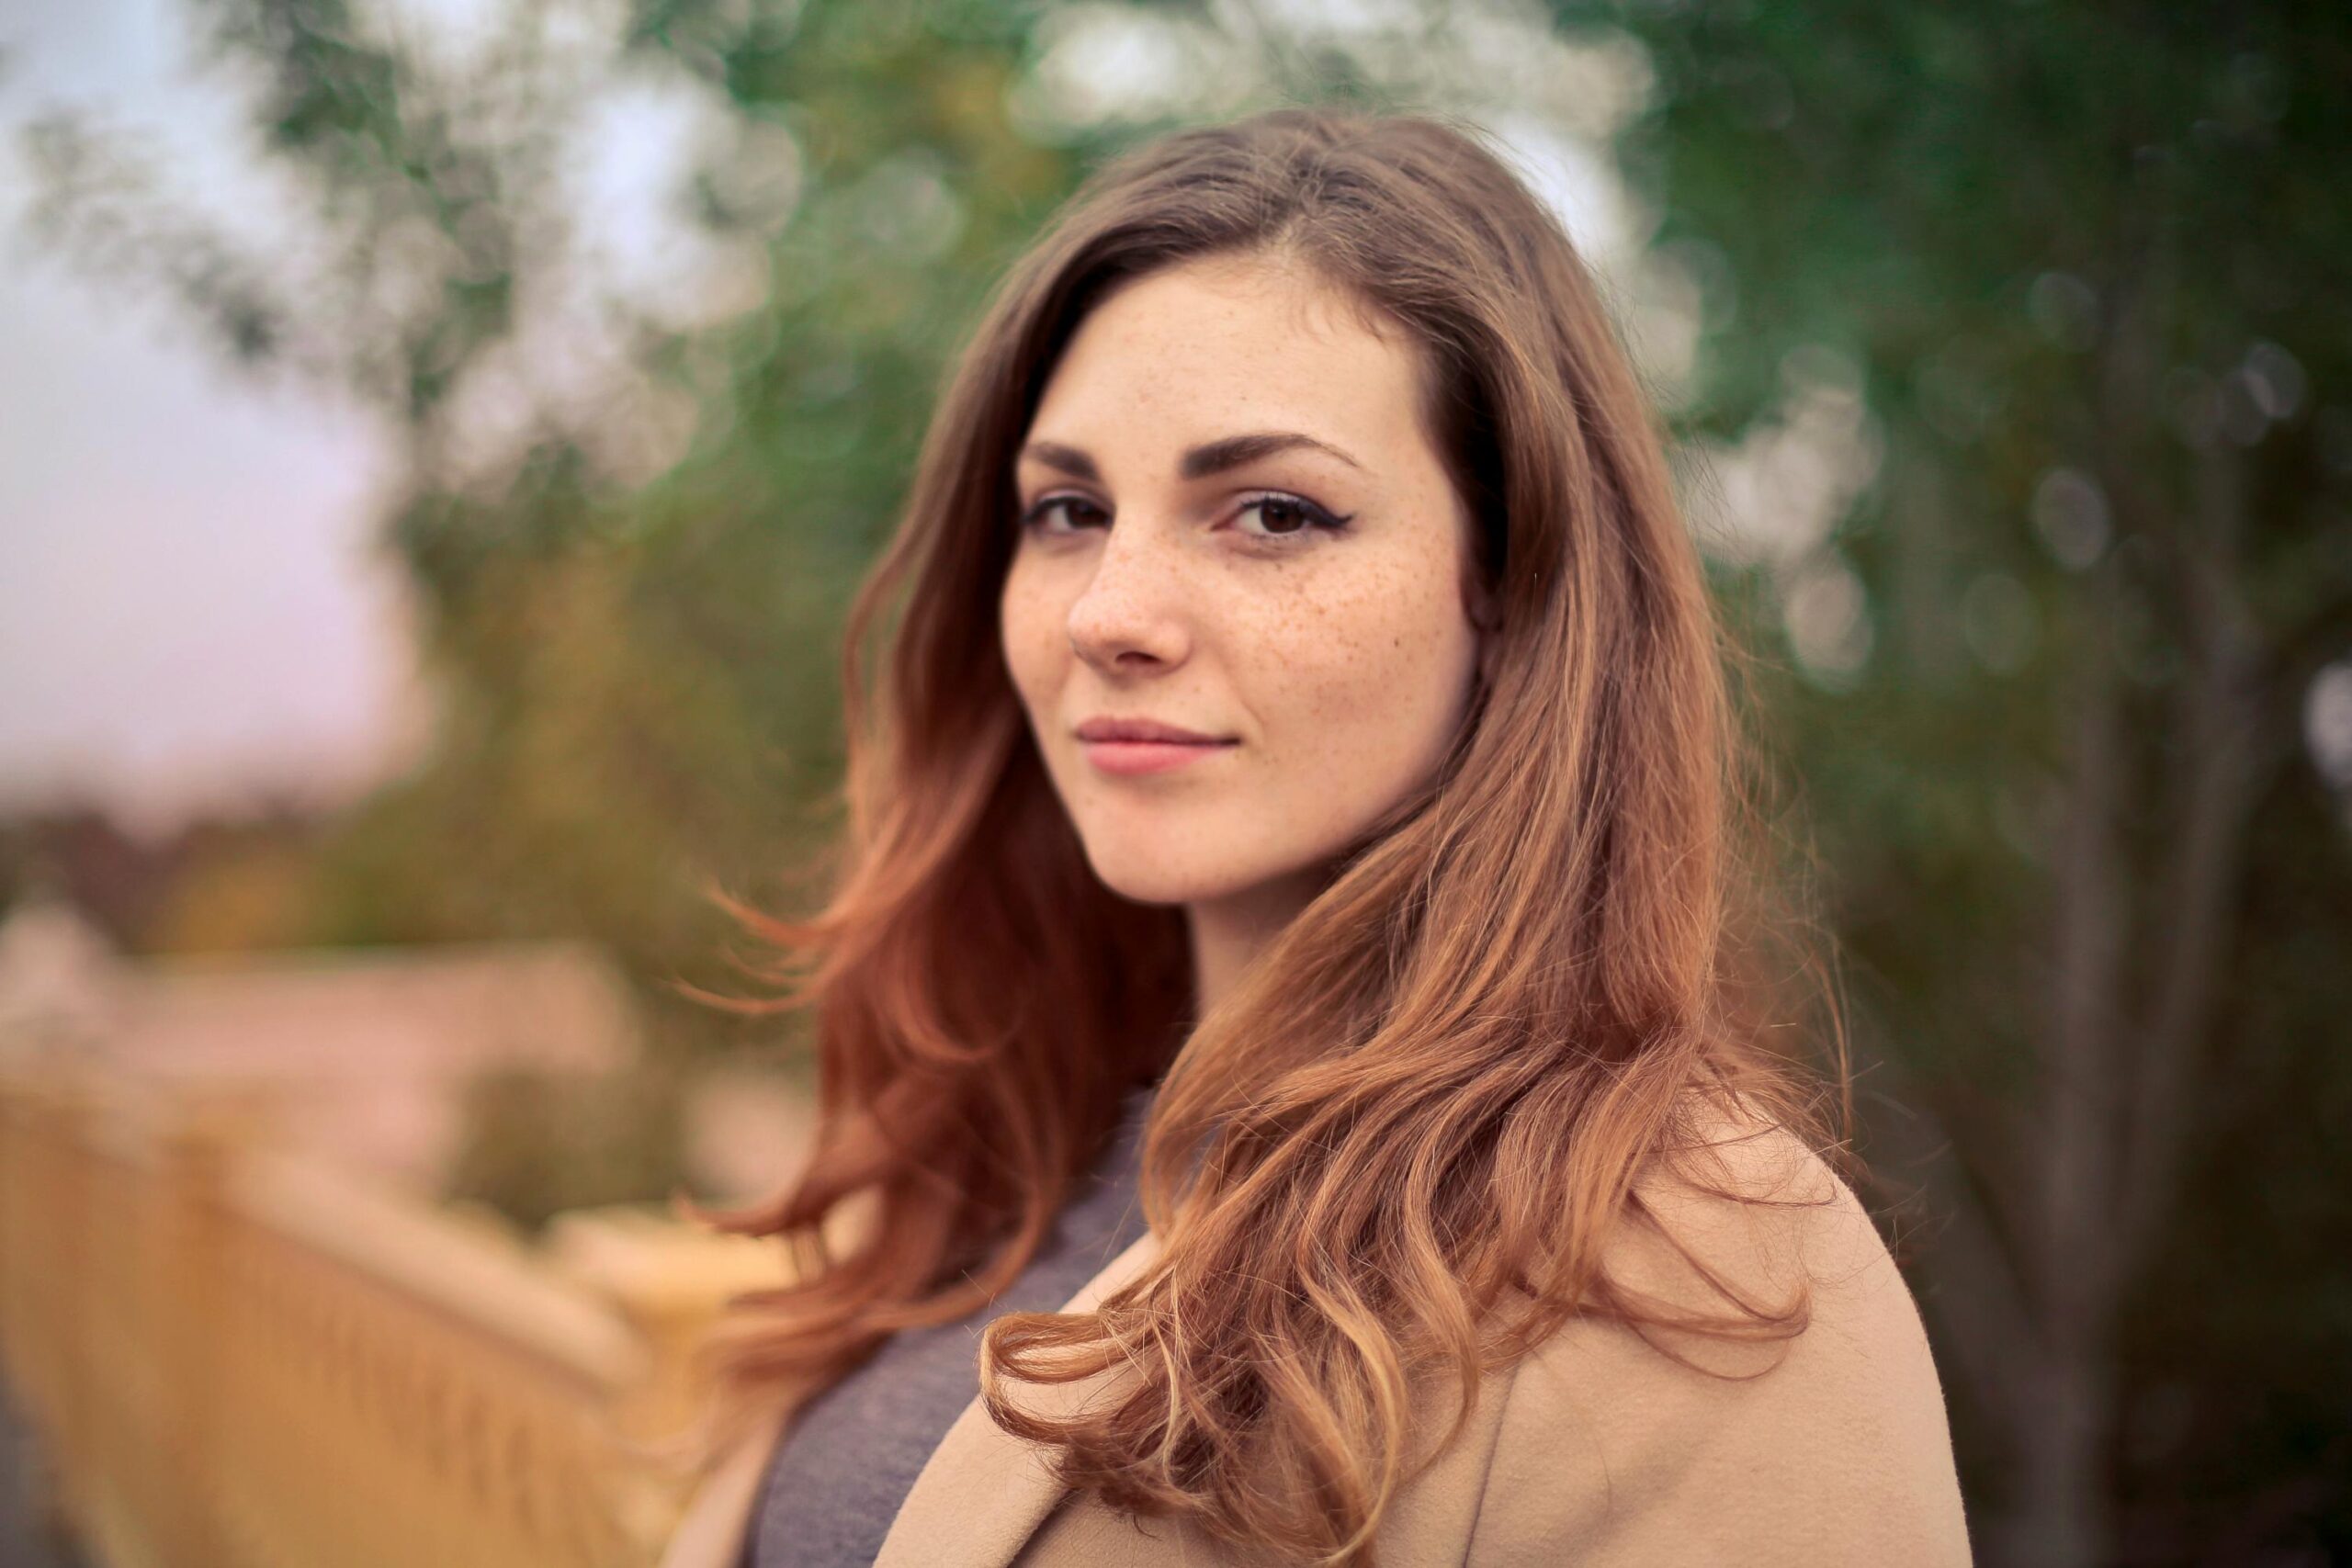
1126,747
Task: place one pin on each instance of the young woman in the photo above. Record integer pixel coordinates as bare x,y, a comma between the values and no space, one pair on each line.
1277,1026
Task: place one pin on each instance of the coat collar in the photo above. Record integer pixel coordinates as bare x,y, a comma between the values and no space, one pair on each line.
977,1501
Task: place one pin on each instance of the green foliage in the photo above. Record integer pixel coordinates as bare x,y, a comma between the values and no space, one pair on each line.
539,1144
635,676
2083,263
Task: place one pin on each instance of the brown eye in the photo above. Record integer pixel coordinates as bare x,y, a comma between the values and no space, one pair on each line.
1076,509
1282,516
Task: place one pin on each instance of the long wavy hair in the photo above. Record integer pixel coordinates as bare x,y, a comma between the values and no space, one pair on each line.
1399,1147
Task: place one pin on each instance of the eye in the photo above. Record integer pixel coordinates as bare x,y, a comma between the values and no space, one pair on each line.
1074,507
1284,516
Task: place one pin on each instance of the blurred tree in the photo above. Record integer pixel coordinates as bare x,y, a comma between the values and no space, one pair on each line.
631,513
539,1143
242,892
632,526
2082,267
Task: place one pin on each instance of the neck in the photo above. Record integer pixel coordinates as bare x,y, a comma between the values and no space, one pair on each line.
1228,934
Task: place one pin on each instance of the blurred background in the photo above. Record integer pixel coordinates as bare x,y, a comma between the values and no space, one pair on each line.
437,440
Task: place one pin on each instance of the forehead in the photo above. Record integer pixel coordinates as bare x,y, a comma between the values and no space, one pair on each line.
1222,344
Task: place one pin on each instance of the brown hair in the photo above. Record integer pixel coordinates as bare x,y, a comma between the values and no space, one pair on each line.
1399,1145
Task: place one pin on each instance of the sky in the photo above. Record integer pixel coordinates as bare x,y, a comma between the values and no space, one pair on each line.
191,616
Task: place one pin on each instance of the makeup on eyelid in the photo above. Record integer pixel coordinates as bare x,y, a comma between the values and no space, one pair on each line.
1315,518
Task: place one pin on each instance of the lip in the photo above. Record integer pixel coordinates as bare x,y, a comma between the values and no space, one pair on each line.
1107,726
1127,747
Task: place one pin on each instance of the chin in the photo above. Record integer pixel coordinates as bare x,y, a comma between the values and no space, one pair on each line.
1140,875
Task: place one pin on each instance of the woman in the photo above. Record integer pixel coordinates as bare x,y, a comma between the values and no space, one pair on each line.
1275,1030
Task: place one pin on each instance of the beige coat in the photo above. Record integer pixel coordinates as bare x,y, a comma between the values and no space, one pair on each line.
1596,1451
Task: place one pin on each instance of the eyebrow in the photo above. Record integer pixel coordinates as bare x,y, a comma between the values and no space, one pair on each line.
1197,463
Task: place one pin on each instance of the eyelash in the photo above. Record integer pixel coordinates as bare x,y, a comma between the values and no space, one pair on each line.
1318,518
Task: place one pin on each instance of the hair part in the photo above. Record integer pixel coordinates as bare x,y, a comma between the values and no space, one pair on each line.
1399,1148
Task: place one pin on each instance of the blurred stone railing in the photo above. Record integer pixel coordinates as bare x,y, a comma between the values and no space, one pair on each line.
230,1358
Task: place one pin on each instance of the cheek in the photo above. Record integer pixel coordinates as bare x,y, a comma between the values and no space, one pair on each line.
1028,630
1373,674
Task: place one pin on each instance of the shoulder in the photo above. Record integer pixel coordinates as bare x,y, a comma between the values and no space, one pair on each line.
1827,1446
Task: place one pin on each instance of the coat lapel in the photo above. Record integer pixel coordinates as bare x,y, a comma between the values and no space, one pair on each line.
985,1491
975,1503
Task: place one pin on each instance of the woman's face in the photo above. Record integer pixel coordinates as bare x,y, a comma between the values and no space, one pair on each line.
1231,522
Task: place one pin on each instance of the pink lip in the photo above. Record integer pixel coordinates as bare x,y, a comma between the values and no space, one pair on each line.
1126,758
1111,727
1129,746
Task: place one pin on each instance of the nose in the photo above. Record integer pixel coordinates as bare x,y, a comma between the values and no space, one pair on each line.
1130,617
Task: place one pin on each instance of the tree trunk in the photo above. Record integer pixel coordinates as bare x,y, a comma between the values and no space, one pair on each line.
2062,1423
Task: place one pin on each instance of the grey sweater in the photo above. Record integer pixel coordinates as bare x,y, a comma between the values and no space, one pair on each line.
852,1454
